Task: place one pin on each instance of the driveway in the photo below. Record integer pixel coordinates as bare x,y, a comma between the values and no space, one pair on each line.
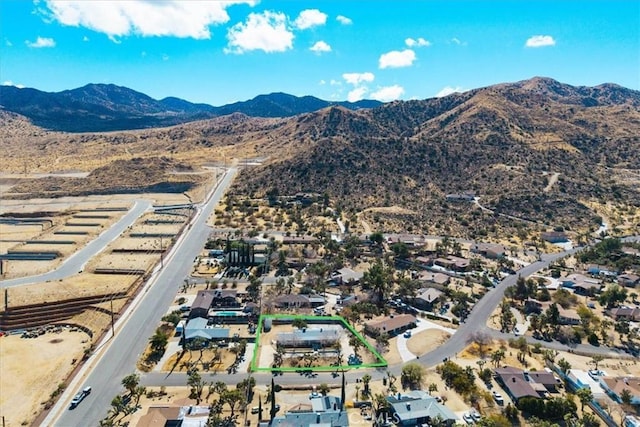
422,325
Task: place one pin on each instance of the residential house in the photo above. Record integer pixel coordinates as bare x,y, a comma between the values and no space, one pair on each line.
581,379
392,325
489,250
299,240
418,408
174,416
629,280
466,196
566,316
437,278
582,284
225,298
427,298
453,263
345,276
347,300
201,304
322,411
546,378
555,237
292,301
198,327
614,387
407,239
625,313
513,381
316,337
587,288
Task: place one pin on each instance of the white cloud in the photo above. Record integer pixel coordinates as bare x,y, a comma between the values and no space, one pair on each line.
10,83
419,42
146,18
310,18
320,47
41,42
397,59
388,93
8,43
267,32
357,94
165,57
335,82
344,20
322,82
540,41
358,78
448,90
85,39
458,41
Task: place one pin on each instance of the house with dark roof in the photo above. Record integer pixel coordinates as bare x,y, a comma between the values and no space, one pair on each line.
418,408
225,298
437,278
629,280
291,301
625,313
392,325
453,263
201,305
517,384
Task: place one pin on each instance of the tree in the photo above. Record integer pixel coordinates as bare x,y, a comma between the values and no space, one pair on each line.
595,360
507,319
585,396
196,384
564,365
497,356
324,389
299,323
378,280
433,387
613,296
366,378
159,341
412,375
130,382
232,398
626,396
589,420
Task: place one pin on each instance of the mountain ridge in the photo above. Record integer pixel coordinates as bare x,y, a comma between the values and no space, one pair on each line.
98,107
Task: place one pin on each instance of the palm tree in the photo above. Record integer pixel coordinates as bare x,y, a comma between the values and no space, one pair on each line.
130,382
159,341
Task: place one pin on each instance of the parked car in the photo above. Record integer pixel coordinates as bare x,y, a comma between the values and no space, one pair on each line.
467,418
407,334
475,416
497,397
79,397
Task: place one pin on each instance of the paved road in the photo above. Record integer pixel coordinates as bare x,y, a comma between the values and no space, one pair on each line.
119,356
77,261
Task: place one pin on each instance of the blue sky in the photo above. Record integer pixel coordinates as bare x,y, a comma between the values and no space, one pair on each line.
220,52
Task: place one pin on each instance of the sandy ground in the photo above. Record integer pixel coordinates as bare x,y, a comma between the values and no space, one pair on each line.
426,340
23,389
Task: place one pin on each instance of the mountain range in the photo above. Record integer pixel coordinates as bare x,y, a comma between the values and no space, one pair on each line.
538,150
107,107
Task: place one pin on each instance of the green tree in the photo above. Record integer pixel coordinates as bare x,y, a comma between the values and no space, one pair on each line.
626,397
159,341
299,323
232,398
196,385
130,382
433,387
564,365
613,296
379,280
412,375
595,360
585,396
366,378
497,356
324,389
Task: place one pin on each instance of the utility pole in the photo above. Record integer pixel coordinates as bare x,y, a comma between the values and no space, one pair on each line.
113,333
161,254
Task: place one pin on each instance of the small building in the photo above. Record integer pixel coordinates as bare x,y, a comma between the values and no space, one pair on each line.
614,386
418,408
489,250
427,298
466,196
629,280
555,237
174,416
392,325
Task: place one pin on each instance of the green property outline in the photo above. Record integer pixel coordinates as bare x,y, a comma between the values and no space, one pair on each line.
382,363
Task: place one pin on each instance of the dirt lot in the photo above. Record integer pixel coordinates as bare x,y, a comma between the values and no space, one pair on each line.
24,389
426,340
